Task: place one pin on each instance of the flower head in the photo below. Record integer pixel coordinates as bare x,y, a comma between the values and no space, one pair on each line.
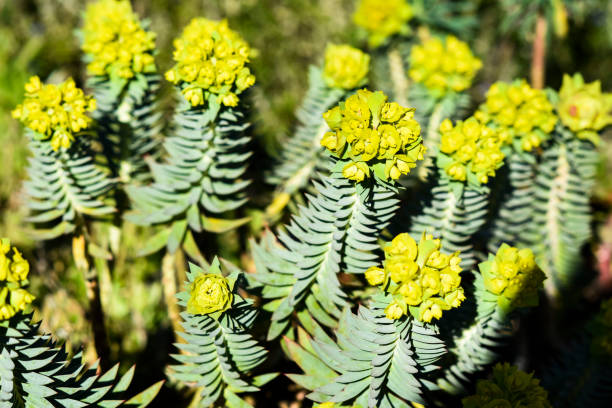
523,116
443,66
469,151
369,132
115,41
13,277
209,293
512,275
55,112
583,107
345,67
420,278
508,387
383,19
211,59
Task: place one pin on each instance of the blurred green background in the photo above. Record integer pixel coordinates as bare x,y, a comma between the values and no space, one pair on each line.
37,37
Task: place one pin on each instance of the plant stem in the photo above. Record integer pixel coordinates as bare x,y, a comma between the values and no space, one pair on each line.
169,287
538,61
82,260
398,77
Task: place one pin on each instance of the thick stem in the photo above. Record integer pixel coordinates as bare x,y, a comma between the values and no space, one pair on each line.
398,77
96,314
538,61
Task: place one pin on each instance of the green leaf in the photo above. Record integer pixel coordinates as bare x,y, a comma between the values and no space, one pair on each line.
219,225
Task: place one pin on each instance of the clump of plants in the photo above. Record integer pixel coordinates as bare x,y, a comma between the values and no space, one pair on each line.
429,233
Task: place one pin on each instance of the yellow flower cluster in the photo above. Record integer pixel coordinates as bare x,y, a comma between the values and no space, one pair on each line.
583,107
209,293
443,67
13,277
469,150
55,111
369,130
211,58
116,43
522,114
421,279
383,19
509,387
513,276
345,67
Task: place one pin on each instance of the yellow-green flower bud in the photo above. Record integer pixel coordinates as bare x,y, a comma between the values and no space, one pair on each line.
382,20
13,276
375,275
513,276
469,151
115,41
508,387
518,112
209,293
443,66
345,67
371,132
211,59
583,107
55,112
422,278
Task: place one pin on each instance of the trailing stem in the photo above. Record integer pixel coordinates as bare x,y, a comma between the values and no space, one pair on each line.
538,58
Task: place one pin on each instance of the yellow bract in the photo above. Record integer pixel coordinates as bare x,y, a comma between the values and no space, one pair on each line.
382,19
13,276
470,147
443,66
116,43
55,111
513,276
211,58
509,387
583,107
345,67
209,293
518,111
418,276
368,130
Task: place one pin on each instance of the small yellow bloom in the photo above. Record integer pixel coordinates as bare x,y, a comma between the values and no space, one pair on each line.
443,66
382,20
56,112
13,276
209,293
211,57
375,275
115,41
394,310
518,112
345,67
583,107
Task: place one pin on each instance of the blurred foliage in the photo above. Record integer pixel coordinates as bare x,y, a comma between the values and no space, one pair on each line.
37,37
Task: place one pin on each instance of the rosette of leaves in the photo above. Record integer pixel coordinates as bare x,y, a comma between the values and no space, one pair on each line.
302,156
508,280
564,184
34,372
64,183
373,362
202,177
372,143
219,353
119,51
579,375
508,387
468,157
524,118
